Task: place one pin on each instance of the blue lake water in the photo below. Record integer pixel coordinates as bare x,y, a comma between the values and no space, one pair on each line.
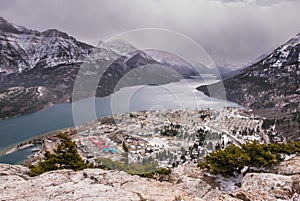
176,95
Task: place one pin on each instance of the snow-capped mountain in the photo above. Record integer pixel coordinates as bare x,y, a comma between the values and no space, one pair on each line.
167,57
53,60
121,46
124,48
178,62
271,87
286,54
24,49
174,62
228,70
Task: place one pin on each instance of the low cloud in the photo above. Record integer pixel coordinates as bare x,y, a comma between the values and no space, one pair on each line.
258,2
234,33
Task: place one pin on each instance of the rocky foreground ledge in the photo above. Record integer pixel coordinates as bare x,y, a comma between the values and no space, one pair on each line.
187,183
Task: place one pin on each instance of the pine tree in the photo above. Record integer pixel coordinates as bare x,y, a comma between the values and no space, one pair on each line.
252,154
65,156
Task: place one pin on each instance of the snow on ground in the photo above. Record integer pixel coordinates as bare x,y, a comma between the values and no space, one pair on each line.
229,184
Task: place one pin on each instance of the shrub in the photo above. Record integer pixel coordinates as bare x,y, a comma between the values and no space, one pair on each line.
233,158
149,170
259,156
226,161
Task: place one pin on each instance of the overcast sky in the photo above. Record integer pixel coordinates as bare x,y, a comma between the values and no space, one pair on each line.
231,31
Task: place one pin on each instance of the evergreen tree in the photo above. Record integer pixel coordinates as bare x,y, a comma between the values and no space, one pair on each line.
233,158
65,156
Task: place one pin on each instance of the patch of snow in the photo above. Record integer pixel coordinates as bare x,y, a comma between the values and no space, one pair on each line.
40,90
287,157
229,184
278,63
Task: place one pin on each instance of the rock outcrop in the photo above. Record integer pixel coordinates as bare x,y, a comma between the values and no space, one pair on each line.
266,186
187,183
288,167
89,184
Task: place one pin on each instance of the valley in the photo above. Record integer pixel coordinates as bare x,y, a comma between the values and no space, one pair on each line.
53,64
145,124
54,61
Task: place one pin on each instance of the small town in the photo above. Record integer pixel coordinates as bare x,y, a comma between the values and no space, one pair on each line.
169,137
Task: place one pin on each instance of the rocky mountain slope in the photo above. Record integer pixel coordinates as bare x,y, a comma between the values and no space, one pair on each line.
24,49
53,60
186,183
20,100
271,87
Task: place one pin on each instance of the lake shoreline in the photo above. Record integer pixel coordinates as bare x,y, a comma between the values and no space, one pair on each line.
61,116
26,145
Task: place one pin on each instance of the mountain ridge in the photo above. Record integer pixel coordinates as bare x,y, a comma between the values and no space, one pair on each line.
24,49
270,87
54,60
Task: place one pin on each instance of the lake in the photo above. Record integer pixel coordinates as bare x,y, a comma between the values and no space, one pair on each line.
175,95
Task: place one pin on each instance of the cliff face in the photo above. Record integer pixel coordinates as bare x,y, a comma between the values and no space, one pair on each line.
187,183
